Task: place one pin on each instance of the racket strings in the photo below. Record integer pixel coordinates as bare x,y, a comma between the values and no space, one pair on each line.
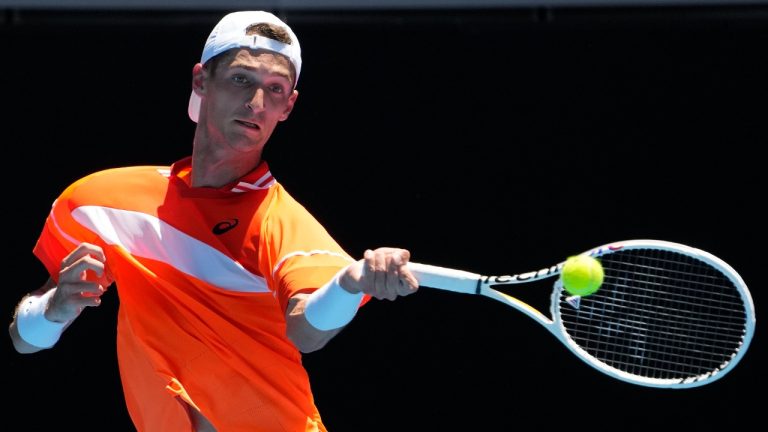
636,325
709,324
659,314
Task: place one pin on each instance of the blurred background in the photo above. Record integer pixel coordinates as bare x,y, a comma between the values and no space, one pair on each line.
492,136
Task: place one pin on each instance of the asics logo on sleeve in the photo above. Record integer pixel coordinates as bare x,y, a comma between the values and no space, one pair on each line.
224,226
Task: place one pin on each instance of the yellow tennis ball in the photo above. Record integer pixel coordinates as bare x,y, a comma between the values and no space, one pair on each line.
582,275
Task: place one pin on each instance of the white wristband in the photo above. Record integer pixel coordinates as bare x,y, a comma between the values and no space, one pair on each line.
331,306
33,327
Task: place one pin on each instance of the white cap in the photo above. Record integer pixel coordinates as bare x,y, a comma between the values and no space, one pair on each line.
230,33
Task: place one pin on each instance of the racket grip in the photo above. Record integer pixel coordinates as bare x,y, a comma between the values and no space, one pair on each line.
445,278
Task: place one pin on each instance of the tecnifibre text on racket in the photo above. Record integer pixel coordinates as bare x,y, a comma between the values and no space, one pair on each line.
666,315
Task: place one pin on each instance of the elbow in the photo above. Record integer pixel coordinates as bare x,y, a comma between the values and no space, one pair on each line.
305,337
307,343
23,348
308,348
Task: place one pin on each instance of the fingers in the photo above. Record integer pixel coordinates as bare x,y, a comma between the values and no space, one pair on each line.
385,274
76,290
71,298
407,282
73,277
85,257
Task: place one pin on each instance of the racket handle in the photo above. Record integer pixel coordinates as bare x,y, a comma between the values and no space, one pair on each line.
445,278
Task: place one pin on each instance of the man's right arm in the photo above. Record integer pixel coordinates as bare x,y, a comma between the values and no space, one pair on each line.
42,315
314,319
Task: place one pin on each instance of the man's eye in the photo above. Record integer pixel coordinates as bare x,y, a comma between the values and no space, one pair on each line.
240,79
277,89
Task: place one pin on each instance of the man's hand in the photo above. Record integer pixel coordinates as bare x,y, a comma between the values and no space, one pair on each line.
82,281
382,274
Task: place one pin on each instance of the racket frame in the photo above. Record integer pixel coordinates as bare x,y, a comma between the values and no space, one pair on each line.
473,283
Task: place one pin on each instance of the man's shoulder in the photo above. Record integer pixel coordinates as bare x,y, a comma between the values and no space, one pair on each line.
283,199
119,180
126,173
133,170
285,207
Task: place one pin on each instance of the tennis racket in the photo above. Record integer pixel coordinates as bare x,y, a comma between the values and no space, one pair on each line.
667,315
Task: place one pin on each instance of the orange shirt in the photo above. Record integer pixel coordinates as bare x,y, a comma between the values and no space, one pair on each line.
203,277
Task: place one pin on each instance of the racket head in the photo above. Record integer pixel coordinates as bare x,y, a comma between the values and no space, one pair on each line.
667,315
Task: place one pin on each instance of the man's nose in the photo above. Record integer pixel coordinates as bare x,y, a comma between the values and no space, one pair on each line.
256,102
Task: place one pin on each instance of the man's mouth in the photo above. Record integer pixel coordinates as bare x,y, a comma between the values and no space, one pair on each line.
248,124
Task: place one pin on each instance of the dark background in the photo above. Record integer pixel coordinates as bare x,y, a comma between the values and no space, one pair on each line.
490,140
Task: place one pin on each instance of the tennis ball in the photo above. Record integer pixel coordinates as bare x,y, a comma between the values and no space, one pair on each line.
582,275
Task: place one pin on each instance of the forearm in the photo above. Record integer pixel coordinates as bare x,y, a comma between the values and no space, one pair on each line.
30,330
313,319
41,317
304,335
20,344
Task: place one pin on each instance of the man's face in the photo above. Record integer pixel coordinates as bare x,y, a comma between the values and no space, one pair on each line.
245,98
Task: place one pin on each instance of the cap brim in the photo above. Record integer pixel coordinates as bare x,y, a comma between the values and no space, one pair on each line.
194,106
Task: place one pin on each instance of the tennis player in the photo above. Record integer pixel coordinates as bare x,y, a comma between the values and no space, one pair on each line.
224,279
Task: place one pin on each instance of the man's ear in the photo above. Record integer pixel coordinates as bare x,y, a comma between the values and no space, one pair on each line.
198,79
289,106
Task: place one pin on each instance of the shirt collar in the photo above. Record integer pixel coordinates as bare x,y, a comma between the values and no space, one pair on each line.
258,179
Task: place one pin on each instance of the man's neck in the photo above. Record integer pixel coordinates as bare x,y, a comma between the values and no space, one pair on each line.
209,171
215,165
